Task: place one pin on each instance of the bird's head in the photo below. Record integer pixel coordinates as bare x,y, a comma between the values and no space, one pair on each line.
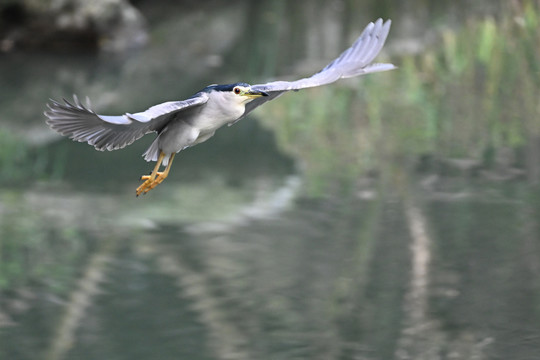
239,92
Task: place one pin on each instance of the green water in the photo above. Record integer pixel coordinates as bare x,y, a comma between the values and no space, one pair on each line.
393,216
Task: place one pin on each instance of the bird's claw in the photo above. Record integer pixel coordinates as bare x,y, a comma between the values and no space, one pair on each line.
150,183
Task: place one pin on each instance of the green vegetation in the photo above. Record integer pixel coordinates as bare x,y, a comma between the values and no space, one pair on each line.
13,158
475,93
31,249
21,162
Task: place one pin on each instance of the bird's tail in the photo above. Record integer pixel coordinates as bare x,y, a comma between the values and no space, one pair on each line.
152,153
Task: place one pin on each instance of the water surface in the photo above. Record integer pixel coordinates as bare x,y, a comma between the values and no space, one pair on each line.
329,225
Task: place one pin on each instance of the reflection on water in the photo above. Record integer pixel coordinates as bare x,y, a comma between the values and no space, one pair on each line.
378,277
404,228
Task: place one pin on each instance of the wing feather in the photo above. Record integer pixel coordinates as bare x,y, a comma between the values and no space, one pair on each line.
354,61
104,132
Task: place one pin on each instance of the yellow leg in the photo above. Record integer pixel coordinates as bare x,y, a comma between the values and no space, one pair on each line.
161,175
149,179
156,177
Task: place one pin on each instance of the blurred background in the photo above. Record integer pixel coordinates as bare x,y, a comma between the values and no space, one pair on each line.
391,216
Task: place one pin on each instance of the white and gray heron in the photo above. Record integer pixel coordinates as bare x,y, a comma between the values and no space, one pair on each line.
181,124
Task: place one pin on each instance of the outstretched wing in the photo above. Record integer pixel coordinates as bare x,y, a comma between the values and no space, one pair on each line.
352,62
79,123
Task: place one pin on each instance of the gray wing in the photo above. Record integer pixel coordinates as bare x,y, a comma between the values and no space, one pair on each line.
105,132
354,61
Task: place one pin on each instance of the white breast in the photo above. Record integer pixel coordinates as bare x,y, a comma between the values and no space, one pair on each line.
221,108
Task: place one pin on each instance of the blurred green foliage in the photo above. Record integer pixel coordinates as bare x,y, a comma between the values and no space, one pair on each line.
474,92
32,250
13,157
19,161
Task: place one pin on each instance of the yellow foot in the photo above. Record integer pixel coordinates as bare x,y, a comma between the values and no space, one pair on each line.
149,184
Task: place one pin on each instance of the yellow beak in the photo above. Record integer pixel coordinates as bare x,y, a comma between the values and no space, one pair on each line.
254,94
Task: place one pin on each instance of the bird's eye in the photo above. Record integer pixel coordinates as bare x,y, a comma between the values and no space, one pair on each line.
237,90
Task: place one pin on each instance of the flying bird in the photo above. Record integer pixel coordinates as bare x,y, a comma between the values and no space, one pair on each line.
182,124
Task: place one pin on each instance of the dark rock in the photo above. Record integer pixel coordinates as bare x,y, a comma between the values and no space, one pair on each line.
71,26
